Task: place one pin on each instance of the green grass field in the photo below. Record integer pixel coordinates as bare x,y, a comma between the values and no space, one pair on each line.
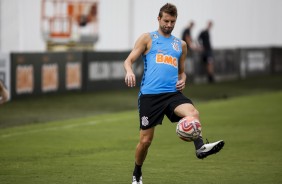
99,148
55,107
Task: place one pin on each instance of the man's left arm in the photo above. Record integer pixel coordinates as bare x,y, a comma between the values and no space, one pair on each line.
180,85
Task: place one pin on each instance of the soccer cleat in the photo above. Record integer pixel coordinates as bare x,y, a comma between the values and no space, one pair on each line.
134,180
209,149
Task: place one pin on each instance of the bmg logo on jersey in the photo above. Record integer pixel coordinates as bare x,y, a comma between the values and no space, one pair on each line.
166,59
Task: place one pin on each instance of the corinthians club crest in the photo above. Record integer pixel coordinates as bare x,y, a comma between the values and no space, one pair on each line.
145,121
175,45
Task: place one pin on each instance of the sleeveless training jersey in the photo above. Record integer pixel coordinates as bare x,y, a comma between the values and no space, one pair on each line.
161,65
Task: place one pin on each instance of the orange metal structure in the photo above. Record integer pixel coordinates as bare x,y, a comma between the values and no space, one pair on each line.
63,22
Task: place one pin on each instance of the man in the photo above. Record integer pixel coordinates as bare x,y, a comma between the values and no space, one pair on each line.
186,36
163,80
207,55
3,93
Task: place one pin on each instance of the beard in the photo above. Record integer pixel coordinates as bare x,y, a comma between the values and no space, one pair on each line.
166,30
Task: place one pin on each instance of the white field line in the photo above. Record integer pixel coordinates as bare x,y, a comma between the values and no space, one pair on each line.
69,126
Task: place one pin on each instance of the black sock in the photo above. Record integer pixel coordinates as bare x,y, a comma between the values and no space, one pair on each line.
198,143
137,171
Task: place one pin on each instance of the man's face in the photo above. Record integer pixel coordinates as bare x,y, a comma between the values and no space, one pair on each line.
166,23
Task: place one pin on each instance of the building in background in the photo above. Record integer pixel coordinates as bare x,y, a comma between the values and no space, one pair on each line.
122,21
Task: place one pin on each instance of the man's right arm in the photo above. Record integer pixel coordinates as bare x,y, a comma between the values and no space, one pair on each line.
140,47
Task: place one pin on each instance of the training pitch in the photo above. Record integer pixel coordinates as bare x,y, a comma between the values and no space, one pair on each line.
100,149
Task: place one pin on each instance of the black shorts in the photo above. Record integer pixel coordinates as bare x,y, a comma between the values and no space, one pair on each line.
152,108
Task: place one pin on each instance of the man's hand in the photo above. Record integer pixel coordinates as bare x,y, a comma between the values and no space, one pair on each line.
180,85
130,80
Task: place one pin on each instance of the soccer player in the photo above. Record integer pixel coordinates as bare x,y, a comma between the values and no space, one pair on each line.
3,93
207,54
187,37
163,80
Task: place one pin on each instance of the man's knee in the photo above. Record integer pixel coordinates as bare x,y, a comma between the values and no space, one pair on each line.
186,110
145,143
146,137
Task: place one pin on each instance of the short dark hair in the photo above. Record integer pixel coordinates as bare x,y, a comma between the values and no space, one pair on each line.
169,9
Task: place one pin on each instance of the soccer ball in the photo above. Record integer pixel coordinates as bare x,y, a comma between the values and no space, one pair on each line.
188,129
